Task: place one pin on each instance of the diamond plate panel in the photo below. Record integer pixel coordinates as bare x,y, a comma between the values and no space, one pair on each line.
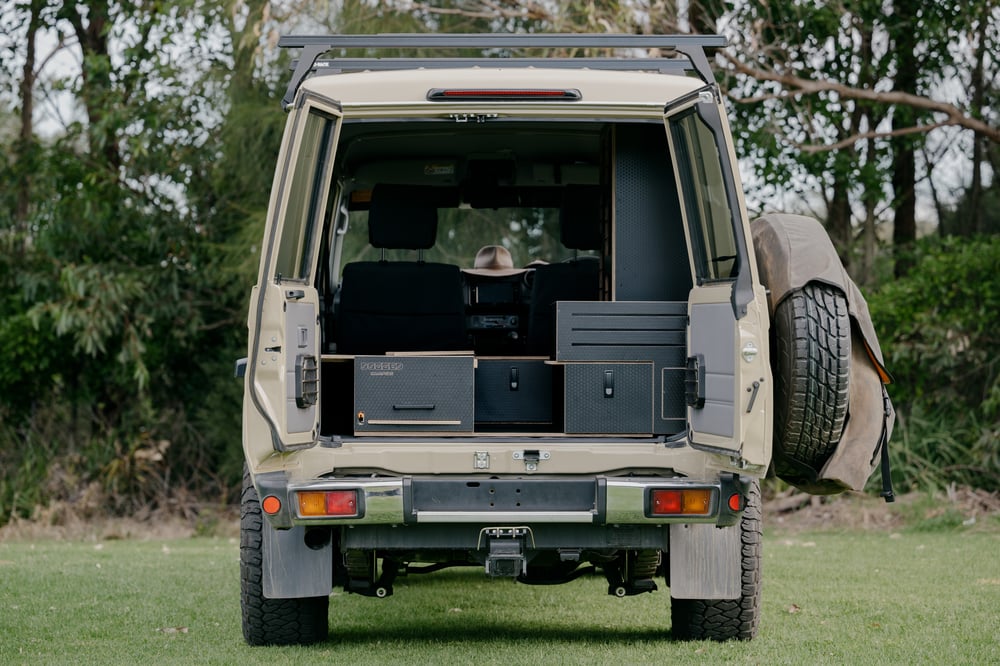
590,409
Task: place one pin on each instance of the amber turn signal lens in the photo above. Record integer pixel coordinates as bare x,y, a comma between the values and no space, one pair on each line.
311,504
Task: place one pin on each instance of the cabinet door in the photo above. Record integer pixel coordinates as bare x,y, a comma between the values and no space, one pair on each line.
609,398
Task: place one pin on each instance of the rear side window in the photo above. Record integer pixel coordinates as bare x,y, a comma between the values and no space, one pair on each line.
704,195
306,198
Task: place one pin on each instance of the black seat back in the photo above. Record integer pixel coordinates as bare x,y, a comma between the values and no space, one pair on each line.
401,305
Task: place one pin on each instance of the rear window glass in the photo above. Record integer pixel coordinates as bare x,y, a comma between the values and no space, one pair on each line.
704,196
530,234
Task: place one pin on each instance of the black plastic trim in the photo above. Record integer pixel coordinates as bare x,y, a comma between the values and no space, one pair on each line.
275,483
483,495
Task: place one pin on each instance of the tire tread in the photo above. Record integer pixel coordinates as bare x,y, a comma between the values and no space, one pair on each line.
728,619
812,373
271,621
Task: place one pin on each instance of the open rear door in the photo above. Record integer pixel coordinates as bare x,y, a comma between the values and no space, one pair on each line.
283,368
714,230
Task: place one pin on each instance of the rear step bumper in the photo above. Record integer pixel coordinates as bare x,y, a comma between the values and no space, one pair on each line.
595,500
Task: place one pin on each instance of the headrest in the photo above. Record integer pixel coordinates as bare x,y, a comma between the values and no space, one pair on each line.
494,260
402,217
580,218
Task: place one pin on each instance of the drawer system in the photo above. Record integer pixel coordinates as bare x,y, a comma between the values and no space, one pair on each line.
647,340
619,369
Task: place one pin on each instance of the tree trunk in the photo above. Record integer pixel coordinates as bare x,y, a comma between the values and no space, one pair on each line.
971,220
96,76
703,14
25,140
838,221
904,176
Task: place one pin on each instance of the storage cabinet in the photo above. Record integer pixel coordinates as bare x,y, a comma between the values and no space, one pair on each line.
513,391
394,394
609,398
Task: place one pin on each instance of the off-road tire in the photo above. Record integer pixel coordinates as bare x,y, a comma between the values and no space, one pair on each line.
271,621
728,619
812,352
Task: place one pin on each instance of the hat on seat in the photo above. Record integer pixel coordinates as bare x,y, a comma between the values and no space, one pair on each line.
494,260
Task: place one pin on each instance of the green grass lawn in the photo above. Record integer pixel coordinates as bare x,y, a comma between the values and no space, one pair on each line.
829,598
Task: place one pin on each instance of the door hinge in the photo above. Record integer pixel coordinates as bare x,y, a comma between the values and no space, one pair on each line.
306,381
694,381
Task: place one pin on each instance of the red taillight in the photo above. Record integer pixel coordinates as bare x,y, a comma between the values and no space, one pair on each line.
666,501
320,503
450,94
686,502
735,502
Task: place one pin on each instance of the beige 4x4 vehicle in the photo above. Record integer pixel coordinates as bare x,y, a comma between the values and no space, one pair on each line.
509,315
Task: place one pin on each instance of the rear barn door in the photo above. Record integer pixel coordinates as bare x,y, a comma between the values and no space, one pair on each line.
286,355
710,217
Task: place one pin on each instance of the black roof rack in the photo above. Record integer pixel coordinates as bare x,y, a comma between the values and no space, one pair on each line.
313,46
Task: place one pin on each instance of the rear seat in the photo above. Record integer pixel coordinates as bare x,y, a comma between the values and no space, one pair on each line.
401,305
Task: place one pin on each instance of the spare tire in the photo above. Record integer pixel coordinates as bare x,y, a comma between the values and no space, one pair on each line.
811,356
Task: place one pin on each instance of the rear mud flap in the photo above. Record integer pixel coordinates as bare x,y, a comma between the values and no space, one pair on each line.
292,569
705,562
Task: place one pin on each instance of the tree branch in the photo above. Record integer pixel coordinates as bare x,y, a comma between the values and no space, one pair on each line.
861,136
799,85
484,10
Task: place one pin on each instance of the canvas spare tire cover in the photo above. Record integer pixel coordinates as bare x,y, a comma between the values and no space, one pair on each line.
796,257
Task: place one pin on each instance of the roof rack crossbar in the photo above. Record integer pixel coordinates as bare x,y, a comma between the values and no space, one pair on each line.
338,65
502,40
313,46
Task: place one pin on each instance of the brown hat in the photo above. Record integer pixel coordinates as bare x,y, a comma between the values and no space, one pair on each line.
494,260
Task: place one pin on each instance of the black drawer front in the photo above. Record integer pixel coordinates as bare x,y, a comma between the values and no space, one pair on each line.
513,391
413,394
608,398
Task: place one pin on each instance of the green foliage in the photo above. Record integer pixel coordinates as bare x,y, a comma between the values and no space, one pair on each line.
813,143
123,288
937,328
124,285
938,325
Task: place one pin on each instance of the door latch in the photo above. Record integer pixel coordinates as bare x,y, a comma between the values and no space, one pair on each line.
531,458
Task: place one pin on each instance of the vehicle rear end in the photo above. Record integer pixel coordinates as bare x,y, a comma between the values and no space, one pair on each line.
506,317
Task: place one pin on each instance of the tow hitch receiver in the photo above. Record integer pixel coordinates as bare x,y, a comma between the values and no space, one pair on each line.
506,555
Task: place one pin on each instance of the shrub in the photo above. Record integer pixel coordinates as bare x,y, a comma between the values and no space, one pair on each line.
938,330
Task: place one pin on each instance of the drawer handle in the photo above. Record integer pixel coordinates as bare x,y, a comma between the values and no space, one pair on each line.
410,407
